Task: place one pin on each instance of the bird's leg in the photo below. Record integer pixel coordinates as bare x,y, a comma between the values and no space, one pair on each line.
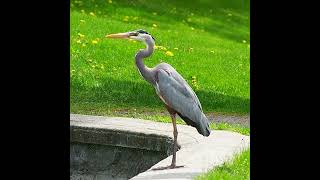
175,136
175,145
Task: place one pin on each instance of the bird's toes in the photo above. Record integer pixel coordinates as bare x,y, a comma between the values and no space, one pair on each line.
174,166
167,167
161,168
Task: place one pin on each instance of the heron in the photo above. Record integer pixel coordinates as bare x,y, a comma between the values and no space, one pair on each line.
176,94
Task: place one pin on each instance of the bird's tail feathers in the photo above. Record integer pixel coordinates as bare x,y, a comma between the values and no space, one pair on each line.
204,126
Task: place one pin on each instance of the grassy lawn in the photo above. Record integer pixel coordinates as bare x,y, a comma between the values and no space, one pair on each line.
210,44
238,168
209,41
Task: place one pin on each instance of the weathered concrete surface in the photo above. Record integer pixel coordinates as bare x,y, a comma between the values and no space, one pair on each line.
101,148
198,154
94,161
116,132
200,157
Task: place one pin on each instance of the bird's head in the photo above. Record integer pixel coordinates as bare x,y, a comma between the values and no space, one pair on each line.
139,35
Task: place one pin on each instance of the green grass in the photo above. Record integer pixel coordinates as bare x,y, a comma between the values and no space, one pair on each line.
231,127
210,40
161,116
237,169
103,75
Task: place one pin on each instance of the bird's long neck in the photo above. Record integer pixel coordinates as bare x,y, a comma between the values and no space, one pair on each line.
146,72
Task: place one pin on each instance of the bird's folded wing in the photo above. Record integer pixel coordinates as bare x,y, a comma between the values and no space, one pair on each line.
183,82
176,95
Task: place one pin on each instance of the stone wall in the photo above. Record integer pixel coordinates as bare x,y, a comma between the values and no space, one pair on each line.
102,153
94,161
119,148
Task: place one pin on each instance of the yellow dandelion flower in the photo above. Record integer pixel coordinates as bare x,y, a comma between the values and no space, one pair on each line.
158,47
161,48
110,1
126,18
132,40
169,53
194,82
81,35
92,14
94,42
154,25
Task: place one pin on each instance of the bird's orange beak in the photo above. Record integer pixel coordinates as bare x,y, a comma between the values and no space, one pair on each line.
118,35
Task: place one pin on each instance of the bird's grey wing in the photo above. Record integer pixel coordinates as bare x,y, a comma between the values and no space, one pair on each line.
178,97
181,81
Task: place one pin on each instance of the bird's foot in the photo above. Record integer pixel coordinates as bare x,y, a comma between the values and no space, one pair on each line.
172,166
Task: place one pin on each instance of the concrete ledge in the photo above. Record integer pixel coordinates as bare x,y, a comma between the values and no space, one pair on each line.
120,138
200,157
198,154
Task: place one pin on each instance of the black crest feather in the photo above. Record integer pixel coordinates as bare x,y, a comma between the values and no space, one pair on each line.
144,32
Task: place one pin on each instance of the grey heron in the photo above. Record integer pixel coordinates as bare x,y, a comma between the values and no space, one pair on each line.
170,86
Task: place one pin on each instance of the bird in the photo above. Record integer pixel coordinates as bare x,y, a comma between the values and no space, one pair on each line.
174,91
